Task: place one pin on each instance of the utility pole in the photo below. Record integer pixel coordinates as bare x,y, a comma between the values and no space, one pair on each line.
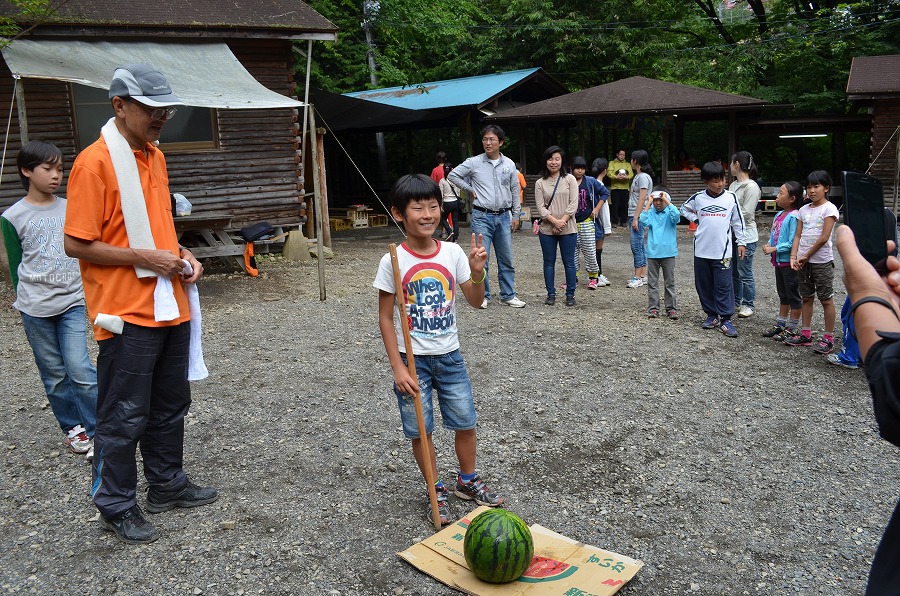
370,13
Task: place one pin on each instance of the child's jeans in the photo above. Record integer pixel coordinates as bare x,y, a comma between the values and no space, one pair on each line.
445,374
637,244
668,270
60,351
742,276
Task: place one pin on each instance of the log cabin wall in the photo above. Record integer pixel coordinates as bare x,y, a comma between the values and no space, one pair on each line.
885,120
49,119
253,175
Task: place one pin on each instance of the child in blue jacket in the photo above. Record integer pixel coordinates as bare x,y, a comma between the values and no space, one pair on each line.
790,199
660,218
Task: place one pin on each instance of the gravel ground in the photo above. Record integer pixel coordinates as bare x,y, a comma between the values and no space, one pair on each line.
729,466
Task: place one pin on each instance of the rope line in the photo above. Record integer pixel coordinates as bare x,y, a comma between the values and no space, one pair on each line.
888,142
363,176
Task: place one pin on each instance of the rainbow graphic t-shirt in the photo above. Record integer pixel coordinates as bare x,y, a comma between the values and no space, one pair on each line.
430,283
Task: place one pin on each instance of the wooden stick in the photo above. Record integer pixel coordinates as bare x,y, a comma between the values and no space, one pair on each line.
429,472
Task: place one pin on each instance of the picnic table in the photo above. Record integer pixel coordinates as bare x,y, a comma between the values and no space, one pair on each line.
205,235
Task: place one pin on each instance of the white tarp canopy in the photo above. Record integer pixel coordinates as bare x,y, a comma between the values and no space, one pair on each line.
204,74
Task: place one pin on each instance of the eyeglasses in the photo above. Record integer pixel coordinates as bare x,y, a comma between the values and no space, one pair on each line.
155,113
489,140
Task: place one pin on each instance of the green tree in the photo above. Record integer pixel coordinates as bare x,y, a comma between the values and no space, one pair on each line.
28,13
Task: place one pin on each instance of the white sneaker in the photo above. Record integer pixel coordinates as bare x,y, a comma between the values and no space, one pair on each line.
90,453
602,281
644,280
484,303
745,311
513,302
77,440
635,282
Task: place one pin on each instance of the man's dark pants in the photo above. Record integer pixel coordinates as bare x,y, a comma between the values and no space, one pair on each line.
618,213
143,396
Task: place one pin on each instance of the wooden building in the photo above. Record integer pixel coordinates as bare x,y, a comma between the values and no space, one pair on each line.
235,149
874,82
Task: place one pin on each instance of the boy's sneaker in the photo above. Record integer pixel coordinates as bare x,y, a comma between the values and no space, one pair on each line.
836,360
823,346
593,284
189,496
797,339
477,491
602,281
711,322
673,314
644,280
77,440
89,456
443,505
773,331
727,327
745,311
652,313
131,527
635,283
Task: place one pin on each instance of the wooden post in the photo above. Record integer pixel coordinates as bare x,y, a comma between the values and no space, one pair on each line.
664,168
323,186
20,105
896,173
318,210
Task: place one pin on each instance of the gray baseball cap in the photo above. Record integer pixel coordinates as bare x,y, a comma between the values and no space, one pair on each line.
144,84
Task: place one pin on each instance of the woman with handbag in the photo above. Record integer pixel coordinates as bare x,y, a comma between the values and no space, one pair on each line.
556,197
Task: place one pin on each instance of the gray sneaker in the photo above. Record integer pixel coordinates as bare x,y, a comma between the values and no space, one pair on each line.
477,491
189,496
443,505
131,527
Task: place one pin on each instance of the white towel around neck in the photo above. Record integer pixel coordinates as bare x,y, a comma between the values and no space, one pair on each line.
134,206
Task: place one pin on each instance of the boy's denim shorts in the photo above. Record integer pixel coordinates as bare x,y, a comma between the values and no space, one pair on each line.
446,374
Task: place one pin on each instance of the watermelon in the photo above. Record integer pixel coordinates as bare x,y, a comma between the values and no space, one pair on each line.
498,546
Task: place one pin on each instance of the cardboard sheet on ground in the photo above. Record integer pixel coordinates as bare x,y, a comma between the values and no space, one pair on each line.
561,566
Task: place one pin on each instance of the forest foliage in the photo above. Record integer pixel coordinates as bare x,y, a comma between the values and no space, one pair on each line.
783,51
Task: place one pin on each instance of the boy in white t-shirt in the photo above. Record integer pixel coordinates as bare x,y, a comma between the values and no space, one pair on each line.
812,257
432,273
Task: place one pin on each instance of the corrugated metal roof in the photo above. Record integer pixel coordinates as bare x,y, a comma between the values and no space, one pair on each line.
469,91
634,95
874,75
287,15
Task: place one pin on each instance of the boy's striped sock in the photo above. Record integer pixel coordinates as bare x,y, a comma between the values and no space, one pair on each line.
793,324
781,321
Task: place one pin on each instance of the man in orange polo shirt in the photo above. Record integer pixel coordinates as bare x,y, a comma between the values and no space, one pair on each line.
143,391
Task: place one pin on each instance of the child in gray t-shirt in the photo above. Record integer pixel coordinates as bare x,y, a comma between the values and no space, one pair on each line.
50,296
